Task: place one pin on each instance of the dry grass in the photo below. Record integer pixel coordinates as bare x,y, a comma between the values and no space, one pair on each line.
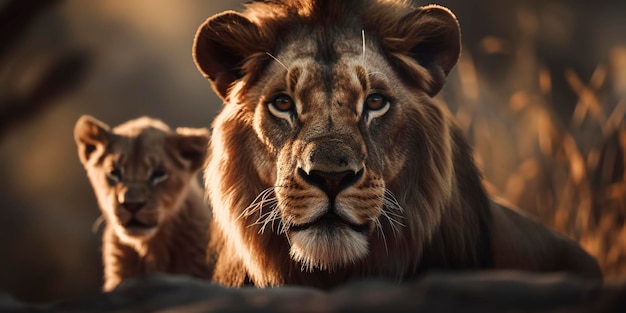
566,169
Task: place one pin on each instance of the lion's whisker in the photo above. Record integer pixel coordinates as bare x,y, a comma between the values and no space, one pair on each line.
266,218
265,199
391,198
382,233
277,60
395,224
263,217
274,214
257,203
392,214
363,39
283,226
392,206
392,211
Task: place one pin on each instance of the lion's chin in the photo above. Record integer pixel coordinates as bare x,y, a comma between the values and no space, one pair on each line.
326,248
137,229
138,232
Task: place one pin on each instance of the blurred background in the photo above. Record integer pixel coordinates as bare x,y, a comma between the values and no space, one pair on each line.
540,92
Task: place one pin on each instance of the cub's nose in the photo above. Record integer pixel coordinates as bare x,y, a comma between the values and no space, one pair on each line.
331,183
133,207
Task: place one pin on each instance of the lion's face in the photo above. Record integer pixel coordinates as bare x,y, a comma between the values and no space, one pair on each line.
140,171
326,124
329,130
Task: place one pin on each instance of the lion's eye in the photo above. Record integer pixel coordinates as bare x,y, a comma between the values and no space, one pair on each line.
375,105
375,102
282,103
115,175
157,176
282,106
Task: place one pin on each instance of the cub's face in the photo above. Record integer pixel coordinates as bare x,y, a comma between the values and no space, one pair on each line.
332,115
136,192
140,171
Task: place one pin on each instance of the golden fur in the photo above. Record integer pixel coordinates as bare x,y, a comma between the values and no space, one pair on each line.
330,160
144,177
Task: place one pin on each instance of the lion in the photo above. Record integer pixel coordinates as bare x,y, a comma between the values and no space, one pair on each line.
145,179
330,161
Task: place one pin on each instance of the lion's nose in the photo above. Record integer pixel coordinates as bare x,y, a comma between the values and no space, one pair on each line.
133,207
331,182
333,157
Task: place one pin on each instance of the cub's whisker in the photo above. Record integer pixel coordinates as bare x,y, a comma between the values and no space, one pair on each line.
98,223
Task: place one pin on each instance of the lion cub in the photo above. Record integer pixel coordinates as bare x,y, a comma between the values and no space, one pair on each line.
144,178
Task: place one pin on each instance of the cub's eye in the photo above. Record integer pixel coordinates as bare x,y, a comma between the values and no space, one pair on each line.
375,102
157,176
282,103
115,175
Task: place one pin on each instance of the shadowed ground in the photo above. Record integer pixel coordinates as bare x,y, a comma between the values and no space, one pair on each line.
436,292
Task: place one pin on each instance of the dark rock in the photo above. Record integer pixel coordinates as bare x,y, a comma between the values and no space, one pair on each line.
435,292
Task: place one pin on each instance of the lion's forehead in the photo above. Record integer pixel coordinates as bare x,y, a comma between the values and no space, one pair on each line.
332,74
324,47
329,82
139,153
320,87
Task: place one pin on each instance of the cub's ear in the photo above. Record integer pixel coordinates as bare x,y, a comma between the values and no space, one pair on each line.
221,46
429,35
192,145
90,134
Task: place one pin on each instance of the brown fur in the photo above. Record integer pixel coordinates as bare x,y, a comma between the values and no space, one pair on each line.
142,166
328,190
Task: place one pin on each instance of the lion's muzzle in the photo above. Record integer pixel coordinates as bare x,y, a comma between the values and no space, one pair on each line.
331,165
331,183
135,215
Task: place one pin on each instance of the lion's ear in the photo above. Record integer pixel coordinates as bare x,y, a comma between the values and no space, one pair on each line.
221,46
192,145
431,36
89,134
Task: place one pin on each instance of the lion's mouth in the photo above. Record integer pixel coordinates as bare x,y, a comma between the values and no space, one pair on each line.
134,223
329,221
